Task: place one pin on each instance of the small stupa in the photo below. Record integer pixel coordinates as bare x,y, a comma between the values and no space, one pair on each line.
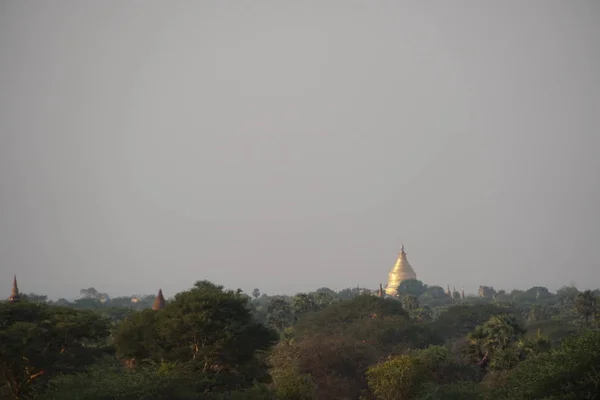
401,271
15,296
159,302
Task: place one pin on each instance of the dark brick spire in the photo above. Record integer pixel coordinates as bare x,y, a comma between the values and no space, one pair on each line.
14,294
159,302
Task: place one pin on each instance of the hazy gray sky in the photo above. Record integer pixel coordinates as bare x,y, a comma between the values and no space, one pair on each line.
290,145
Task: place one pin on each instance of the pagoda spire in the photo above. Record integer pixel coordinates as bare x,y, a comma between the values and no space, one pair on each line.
159,302
14,293
401,271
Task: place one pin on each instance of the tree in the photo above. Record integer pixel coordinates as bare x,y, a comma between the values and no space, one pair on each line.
62,302
330,367
256,293
335,346
500,342
323,299
340,314
410,303
434,292
487,292
35,298
570,371
349,293
399,378
424,314
91,293
38,341
279,314
138,337
212,326
327,291
537,313
585,304
160,381
458,320
421,374
413,287
208,327
303,303
566,295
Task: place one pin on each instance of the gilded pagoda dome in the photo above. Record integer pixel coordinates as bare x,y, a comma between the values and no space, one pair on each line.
401,271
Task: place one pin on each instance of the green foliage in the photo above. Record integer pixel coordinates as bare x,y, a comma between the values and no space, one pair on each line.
566,295
139,337
34,298
501,341
303,303
412,287
401,377
585,305
432,373
423,314
410,303
341,313
459,320
336,363
165,381
554,330
443,367
336,345
455,391
113,382
538,313
290,384
569,371
206,326
38,341
209,343
280,314
434,292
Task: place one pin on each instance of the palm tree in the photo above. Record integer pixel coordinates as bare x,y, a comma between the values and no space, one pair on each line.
495,341
479,344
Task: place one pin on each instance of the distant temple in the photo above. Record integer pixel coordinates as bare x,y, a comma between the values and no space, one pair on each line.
15,296
159,302
402,271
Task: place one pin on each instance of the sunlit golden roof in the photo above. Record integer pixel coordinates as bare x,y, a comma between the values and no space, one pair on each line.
401,271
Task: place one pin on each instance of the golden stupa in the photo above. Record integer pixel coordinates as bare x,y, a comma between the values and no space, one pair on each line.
402,271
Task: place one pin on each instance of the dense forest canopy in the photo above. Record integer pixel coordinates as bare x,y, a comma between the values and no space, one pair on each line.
212,343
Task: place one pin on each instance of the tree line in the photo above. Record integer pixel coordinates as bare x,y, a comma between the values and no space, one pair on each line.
212,343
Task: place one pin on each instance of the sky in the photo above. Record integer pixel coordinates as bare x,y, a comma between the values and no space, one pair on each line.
291,145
